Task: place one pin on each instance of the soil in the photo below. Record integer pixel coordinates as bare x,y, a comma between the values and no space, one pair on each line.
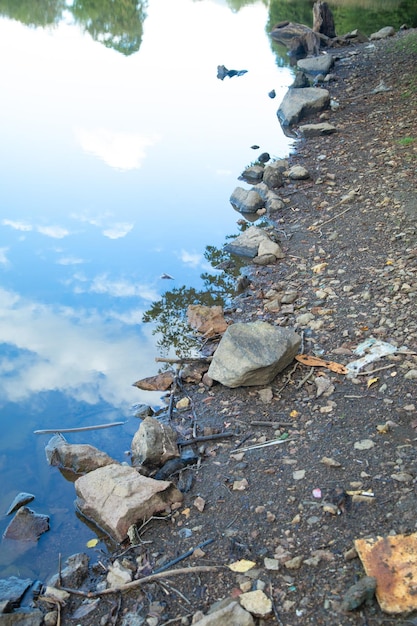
260,503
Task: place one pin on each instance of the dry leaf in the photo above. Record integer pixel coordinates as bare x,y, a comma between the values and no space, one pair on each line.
319,267
241,566
314,361
330,462
372,381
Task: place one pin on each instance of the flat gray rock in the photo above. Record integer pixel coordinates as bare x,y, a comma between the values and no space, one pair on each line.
316,65
298,103
317,130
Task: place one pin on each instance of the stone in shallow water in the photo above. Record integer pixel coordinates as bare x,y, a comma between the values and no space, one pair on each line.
27,526
20,500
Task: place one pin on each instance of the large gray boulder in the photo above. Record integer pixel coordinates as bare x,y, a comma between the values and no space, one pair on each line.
116,496
298,103
253,354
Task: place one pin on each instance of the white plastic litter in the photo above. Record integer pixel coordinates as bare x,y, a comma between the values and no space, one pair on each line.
372,349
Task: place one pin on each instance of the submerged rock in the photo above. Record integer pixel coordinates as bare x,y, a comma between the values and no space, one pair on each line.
79,458
27,526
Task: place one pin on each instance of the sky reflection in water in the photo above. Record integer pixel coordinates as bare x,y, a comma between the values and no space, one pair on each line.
114,170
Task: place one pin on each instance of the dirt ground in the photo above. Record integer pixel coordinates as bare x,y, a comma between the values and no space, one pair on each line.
264,503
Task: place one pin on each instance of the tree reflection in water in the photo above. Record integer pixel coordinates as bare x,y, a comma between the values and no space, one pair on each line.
169,314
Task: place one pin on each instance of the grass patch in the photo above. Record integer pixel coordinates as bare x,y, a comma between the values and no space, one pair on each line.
407,43
406,141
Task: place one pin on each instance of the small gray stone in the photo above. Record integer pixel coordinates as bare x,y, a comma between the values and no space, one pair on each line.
360,592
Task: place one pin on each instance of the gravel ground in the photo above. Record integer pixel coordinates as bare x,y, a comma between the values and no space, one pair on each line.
349,235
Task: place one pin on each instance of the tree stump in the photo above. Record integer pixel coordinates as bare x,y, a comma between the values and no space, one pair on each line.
323,21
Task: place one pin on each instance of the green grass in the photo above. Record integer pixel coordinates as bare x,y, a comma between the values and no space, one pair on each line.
407,43
406,141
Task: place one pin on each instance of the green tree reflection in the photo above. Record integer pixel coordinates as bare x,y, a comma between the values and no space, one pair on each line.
33,12
169,314
117,24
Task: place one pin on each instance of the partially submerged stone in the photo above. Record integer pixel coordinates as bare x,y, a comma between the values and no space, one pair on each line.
20,500
253,354
80,458
116,496
300,102
27,526
246,200
12,589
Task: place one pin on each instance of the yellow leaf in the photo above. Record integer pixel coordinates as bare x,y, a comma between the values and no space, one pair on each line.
294,414
241,566
389,262
92,543
371,381
319,267
186,512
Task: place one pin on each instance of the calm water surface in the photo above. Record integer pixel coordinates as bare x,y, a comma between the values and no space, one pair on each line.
115,169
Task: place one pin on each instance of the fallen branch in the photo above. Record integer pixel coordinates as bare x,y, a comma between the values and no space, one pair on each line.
203,359
189,442
316,226
183,556
142,581
48,431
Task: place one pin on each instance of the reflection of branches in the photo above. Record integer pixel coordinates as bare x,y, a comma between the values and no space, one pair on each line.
170,312
117,24
40,13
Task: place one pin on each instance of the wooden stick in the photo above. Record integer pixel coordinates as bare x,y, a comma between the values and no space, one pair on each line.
189,442
146,579
48,431
203,359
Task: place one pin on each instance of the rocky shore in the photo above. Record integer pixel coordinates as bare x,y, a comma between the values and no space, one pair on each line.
292,519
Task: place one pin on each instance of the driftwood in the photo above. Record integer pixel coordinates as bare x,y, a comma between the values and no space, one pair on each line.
303,41
323,21
48,431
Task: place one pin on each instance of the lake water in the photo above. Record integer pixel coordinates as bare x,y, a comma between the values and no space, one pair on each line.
116,169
